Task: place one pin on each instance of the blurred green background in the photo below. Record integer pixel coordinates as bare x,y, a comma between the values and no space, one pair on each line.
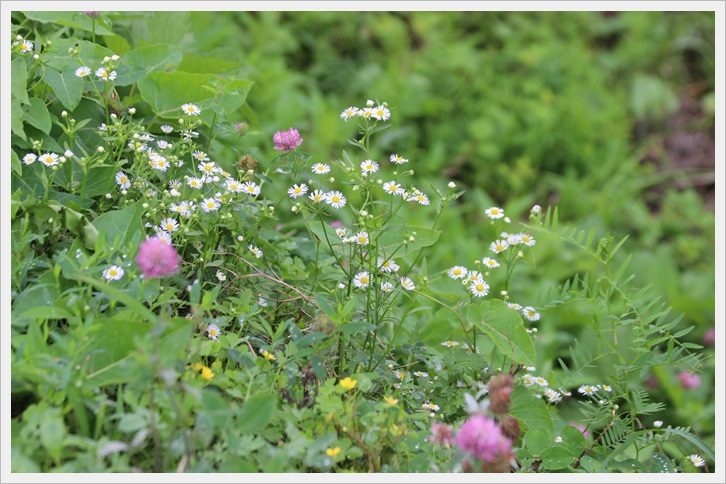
608,115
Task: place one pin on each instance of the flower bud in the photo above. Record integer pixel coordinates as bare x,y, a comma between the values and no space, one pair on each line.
132,110
452,185
64,114
100,149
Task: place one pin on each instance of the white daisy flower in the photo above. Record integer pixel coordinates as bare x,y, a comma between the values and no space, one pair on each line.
541,381
113,273
296,191
321,168
169,224
408,284
489,262
336,199
166,128
83,71
457,272
697,460
26,46
105,75
381,113
586,390
558,439
450,344
213,332
528,380
420,198
341,232
255,251
393,188
421,374
123,181
658,424
233,185
361,238
399,160
475,277
368,166
191,109
386,287
553,396
494,212
479,288
361,280
366,112
387,265
530,313
317,196
164,236
30,158
49,159
526,239
210,204
251,188
498,246
174,184
202,156
348,113
197,183
515,306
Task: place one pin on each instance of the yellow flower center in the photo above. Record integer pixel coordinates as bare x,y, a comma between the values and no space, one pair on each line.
335,199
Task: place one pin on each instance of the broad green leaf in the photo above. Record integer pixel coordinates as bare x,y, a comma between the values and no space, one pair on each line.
391,239
111,349
504,327
557,457
167,91
19,80
67,86
537,440
15,163
90,54
573,439
117,44
16,118
120,225
256,413
139,62
531,412
661,463
52,432
76,20
211,63
36,114
215,408
310,339
99,181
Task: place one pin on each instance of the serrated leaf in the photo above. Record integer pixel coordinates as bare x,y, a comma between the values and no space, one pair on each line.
76,20
531,412
661,463
505,328
120,225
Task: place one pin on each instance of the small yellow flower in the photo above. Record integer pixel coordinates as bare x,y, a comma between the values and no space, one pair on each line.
390,401
348,383
207,373
268,356
333,452
197,367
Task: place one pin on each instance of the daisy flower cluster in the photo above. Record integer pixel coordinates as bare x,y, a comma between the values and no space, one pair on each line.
542,389
106,72
22,45
378,112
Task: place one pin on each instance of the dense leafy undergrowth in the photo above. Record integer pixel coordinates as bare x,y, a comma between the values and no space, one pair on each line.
193,293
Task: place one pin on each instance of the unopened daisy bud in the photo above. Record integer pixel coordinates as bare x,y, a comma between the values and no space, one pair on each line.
132,110
106,59
379,181
100,149
70,50
363,213
114,57
411,238
113,116
508,220
536,209
294,208
520,254
36,56
123,192
395,173
180,121
62,159
341,286
390,367
48,42
240,238
356,187
50,220
331,180
477,262
250,172
369,102
410,172
145,205
108,195
504,293
18,37
452,185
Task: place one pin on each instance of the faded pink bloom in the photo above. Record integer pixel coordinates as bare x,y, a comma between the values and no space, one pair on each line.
441,434
581,428
287,140
709,337
689,381
481,437
335,224
157,258
92,13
